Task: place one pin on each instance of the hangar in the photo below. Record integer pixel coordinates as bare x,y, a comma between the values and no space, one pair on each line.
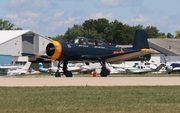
14,42
166,50
170,48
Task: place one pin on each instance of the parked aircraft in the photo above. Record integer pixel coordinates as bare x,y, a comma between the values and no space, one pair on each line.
53,69
173,67
86,68
91,50
139,69
42,69
10,66
23,70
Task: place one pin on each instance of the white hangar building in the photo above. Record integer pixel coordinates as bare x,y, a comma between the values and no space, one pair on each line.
15,42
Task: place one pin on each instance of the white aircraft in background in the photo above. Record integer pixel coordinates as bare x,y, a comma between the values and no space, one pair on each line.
138,69
18,71
10,66
77,67
5,68
109,66
114,70
86,69
53,69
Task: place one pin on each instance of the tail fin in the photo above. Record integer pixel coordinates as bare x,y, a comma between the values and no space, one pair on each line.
140,40
159,67
26,66
40,66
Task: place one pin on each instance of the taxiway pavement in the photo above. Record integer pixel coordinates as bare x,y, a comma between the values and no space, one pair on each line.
89,81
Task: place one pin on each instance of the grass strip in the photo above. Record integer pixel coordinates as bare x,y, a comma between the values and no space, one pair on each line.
87,99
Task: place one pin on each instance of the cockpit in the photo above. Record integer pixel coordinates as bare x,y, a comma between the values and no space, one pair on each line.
87,41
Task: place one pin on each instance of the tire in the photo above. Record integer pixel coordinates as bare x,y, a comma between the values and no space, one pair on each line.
68,74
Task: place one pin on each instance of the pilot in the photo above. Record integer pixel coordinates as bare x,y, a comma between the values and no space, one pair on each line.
81,41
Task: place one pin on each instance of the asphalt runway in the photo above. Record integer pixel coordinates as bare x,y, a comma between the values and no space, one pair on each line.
88,81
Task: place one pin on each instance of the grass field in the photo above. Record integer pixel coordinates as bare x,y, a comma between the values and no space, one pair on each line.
122,99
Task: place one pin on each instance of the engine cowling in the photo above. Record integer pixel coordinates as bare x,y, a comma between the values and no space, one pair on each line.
54,50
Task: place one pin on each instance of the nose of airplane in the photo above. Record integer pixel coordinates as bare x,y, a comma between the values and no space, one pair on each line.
54,50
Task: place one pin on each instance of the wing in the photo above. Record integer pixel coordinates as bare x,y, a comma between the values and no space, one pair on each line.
35,55
119,57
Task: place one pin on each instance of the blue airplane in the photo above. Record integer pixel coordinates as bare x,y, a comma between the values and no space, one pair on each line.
82,49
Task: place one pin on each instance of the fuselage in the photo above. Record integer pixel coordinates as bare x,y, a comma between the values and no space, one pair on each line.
74,51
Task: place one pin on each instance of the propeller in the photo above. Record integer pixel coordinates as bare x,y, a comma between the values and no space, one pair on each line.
50,50
40,53
53,51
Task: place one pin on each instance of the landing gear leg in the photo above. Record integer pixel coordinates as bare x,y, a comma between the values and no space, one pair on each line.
65,71
57,74
104,71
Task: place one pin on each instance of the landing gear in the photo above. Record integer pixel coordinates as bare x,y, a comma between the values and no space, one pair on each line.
68,73
104,71
57,74
65,71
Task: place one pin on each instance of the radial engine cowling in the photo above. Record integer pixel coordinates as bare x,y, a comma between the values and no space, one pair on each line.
54,50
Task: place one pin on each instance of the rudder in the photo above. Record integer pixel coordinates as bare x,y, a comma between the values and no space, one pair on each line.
140,40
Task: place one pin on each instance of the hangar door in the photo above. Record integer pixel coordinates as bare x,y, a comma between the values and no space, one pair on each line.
28,43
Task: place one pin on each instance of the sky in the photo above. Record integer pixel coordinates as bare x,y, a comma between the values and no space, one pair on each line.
54,17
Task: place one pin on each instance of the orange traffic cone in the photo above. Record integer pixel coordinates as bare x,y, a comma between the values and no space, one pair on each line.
95,74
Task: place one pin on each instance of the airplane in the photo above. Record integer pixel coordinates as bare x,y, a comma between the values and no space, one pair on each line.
82,49
86,68
140,69
172,67
5,68
42,69
23,70
97,67
10,66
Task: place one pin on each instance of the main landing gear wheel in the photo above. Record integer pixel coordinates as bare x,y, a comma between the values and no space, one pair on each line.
68,73
104,72
57,74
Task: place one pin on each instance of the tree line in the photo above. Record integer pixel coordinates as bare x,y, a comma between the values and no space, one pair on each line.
114,32
7,25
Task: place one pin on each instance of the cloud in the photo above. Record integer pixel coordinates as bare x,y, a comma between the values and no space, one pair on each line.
12,17
69,21
30,14
109,2
121,3
22,22
32,5
98,15
136,20
139,19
